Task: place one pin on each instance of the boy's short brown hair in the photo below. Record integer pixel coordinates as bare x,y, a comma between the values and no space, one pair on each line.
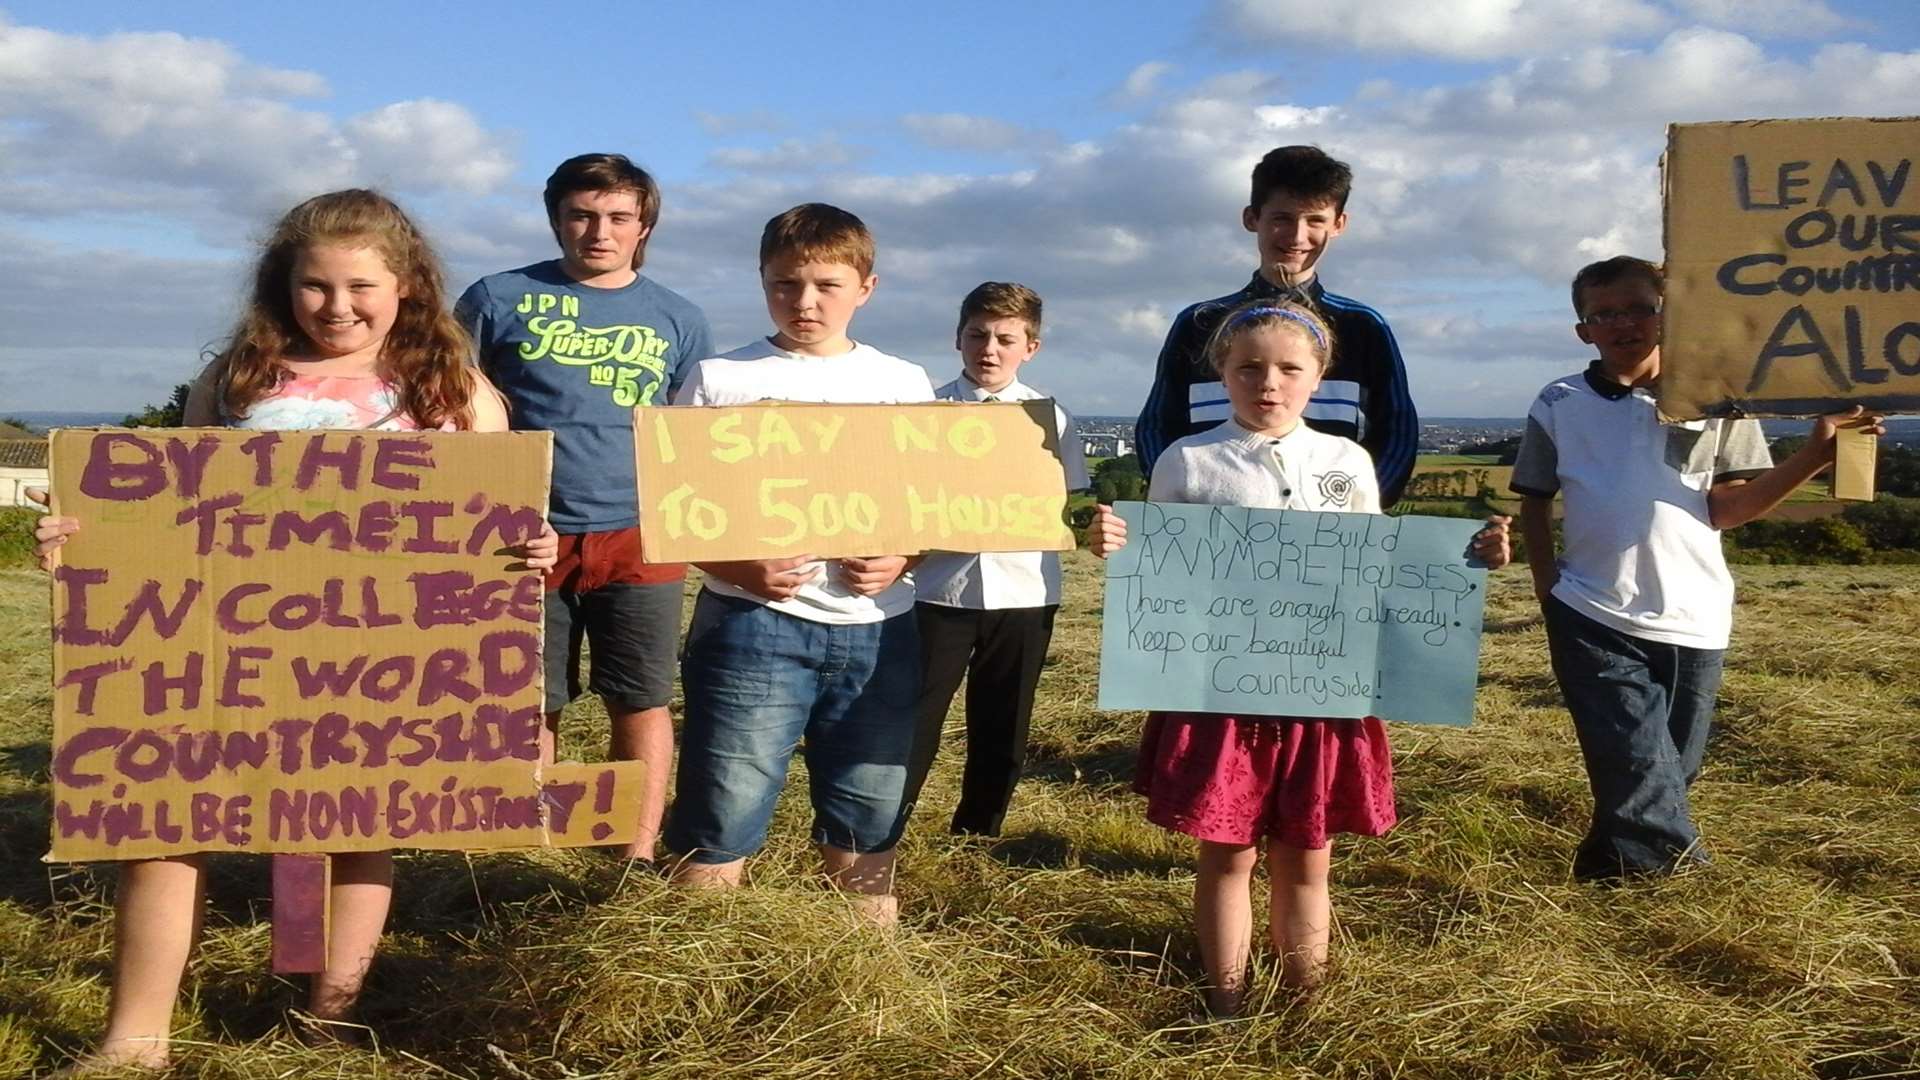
605,172
1307,173
1608,271
816,232
1002,300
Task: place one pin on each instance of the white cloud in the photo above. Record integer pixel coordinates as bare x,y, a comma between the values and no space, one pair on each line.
982,134
1474,202
1455,29
1142,82
1779,18
789,155
756,121
189,126
424,144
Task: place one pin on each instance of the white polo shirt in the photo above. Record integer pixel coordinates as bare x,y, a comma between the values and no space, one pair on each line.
1001,579
1301,470
763,372
1640,554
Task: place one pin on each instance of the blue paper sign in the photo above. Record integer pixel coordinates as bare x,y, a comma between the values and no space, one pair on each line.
1228,609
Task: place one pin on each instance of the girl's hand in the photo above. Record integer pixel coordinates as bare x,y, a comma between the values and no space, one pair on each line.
543,551
1108,532
871,576
50,531
1492,545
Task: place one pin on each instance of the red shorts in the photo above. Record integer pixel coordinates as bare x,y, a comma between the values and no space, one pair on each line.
590,560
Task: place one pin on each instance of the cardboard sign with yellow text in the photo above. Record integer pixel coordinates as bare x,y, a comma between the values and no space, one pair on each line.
1793,268
306,641
779,479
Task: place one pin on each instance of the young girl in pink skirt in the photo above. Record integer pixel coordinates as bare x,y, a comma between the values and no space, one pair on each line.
1230,781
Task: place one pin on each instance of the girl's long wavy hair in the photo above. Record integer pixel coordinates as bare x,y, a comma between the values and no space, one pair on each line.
425,354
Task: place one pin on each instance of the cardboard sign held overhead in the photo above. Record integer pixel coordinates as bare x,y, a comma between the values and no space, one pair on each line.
306,642
1793,268
779,479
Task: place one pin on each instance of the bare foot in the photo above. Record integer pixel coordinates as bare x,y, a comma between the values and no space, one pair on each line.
140,1054
880,911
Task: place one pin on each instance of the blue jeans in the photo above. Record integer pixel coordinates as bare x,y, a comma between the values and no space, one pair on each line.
1642,711
758,682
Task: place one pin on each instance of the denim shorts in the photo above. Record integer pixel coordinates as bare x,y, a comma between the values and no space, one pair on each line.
760,683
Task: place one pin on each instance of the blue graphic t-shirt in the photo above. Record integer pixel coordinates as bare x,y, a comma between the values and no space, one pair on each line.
575,360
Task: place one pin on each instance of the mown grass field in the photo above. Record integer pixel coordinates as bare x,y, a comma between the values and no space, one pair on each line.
1462,949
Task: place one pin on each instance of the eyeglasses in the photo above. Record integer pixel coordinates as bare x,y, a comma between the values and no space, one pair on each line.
1618,318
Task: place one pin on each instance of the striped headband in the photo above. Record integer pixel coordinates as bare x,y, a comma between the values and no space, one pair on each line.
1249,314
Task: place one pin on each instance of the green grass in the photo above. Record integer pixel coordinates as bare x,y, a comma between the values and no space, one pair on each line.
1064,950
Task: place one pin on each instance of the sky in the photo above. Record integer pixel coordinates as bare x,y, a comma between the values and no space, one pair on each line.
1097,152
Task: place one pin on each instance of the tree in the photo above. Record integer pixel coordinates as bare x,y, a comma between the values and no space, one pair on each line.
172,414
1119,478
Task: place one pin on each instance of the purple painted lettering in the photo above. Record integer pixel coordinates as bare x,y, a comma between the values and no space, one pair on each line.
313,678
291,731
496,675
391,455
444,674
513,525
317,456
376,525
376,738
260,448
68,823
128,761
424,515
123,481
190,462
72,626
88,679
239,670
329,742
66,760
156,683
289,526
227,611
204,516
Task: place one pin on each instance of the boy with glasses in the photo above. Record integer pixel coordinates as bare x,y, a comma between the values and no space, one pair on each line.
1639,604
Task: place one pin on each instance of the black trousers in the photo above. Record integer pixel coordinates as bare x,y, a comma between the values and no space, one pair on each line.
999,653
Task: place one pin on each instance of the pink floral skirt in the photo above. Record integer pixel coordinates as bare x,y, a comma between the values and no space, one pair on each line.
1233,780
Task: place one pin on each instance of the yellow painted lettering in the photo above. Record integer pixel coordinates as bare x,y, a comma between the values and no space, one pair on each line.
918,508
971,437
905,432
664,439
863,514
771,507
546,302
570,306
735,446
774,430
824,434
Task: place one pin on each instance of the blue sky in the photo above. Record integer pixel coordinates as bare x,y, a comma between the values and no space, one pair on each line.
1098,152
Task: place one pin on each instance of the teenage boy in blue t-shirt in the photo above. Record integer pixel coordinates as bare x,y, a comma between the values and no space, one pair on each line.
575,343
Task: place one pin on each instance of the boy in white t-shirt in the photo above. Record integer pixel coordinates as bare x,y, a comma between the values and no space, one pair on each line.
1639,605
988,618
785,650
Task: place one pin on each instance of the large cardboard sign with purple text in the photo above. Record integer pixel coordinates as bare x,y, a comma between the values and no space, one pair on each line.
1793,268
306,642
